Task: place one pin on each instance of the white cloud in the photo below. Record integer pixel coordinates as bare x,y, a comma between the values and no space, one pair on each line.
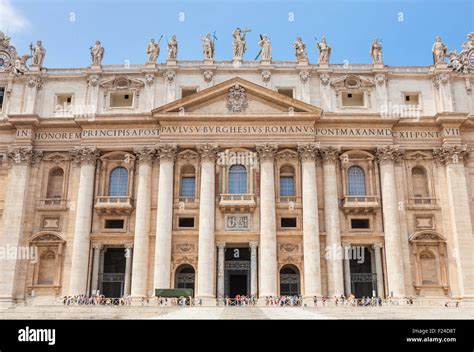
11,20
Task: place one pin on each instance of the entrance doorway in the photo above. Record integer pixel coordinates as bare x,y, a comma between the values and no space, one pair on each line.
112,279
363,278
289,281
184,277
237,272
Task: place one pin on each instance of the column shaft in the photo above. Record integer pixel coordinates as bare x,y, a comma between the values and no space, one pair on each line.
395,273
268,242
206,242
128,269
220,269
142,225
379,269
253,269
95,269
12,231
347,271
332,224
164,219
83,221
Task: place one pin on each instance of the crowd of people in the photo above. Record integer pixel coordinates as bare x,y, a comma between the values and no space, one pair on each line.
243,301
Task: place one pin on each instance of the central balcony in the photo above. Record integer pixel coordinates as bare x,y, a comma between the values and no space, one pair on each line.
237,202
360,204
113,204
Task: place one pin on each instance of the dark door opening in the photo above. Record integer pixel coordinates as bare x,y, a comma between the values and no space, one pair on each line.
112,279
363,281
238,285
237,272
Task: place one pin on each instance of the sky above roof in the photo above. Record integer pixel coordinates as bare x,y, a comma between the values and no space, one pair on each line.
406,28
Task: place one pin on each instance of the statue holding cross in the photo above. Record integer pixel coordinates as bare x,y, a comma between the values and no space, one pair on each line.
239,43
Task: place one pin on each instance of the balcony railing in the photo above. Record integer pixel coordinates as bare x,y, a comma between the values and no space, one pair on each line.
236,202
423,201
288,199
187,199
360,204
113,204
51,203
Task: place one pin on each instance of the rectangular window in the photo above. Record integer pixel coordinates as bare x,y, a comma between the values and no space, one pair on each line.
2,94
186,222
286,91
188,186
121,100
63,102
287,186
114,224
360,224
412,99
187,91
288,222
352,99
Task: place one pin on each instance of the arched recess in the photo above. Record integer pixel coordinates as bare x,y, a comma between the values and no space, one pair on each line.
185,277
290,280
429,263
47,264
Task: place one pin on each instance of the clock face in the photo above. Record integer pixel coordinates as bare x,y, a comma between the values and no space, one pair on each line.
4,61
471,59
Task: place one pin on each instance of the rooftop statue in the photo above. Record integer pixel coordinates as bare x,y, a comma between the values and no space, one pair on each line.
172,48
376,52
208,47
239,43
97,53
153,50
439,51
324,51
301,52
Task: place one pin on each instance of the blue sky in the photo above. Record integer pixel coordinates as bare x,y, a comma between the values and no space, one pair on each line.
125,27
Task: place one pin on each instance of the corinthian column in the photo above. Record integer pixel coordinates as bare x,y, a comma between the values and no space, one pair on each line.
387,156
452,157
86,157
268,242
14,214
311,251
206,250
329,155
164,216
142,223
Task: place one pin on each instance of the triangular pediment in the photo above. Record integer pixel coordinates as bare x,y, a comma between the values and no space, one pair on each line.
237,96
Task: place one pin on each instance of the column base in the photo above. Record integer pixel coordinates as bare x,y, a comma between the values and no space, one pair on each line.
6,302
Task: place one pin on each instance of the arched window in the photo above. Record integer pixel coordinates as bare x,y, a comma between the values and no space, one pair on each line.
420,182
287,181
188,182
118,182
237,179
356,181
55,183
289,281
47,268
429,275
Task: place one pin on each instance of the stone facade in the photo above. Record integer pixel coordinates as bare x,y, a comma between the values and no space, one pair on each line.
122,179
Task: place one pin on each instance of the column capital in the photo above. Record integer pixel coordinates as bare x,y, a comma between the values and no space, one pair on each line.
329,154
128,245
208,151
145,154
308,151
389,154
220,244
267,151
347,245
25,155
166,152
450,154
377,245
85,155
97,246
253,244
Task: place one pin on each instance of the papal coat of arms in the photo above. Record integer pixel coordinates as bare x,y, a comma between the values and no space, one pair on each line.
237,99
